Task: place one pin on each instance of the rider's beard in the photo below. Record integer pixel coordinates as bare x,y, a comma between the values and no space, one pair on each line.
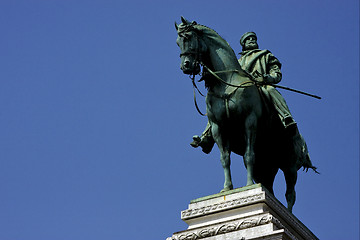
251,46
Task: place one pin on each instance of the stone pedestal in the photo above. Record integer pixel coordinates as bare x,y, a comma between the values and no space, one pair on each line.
245,213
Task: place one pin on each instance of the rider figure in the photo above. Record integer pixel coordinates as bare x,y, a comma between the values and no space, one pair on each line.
265,68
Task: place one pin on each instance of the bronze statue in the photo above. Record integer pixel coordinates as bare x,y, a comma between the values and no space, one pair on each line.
265,68
245,115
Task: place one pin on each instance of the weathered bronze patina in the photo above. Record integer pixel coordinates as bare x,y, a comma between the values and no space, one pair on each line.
246,114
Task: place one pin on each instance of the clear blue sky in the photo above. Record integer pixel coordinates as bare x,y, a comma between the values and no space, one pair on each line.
96,117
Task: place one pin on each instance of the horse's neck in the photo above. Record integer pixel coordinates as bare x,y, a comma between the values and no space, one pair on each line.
224,63
223,59
221,55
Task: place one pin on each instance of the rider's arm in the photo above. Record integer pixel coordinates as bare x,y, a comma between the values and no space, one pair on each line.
273,74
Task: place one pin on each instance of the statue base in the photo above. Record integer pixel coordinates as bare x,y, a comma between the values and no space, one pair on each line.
250,212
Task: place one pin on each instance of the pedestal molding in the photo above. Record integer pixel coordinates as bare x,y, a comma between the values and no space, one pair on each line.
226,205
225,227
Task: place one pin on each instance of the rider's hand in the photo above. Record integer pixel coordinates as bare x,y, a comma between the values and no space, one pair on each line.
270,79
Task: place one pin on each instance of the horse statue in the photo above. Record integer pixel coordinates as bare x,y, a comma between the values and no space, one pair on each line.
240,121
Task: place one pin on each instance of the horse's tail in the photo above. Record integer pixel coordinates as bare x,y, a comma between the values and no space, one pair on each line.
304,160
308,164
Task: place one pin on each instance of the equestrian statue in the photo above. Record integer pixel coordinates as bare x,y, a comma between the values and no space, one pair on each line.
246,114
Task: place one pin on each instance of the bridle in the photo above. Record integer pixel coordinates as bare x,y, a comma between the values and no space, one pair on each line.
198,61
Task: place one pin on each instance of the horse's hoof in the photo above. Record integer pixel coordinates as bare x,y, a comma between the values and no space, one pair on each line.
226,189
249,183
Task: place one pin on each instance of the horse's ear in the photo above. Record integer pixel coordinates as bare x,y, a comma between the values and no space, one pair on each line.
184,21
176,26
194,23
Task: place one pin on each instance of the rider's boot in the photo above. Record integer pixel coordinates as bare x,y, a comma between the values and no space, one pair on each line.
196,141
205,142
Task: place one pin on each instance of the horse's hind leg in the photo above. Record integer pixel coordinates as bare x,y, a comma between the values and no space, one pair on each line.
266,177
291,178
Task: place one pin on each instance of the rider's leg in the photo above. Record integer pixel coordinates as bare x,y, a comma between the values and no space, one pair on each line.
281,107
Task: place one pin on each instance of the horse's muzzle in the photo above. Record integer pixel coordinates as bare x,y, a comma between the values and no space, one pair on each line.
190,68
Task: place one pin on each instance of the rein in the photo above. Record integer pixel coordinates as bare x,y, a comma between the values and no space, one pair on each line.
242,85
225,97
253,81
195,102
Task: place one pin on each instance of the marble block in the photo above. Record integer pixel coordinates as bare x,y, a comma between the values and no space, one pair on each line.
244,213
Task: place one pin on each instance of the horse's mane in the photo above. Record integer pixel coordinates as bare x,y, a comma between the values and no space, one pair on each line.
214,37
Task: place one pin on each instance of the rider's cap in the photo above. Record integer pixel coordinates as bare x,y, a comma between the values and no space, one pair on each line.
246,35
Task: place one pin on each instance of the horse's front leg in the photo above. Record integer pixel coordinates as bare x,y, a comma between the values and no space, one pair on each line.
249,156
225,161
224,148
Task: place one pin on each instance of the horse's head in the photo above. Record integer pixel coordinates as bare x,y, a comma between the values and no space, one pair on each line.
191,46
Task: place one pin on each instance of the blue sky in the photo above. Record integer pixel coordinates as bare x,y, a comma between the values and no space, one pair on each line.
96,117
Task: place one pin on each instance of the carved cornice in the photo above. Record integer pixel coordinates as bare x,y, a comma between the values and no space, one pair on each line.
288,217
223,228
190,213
278,224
